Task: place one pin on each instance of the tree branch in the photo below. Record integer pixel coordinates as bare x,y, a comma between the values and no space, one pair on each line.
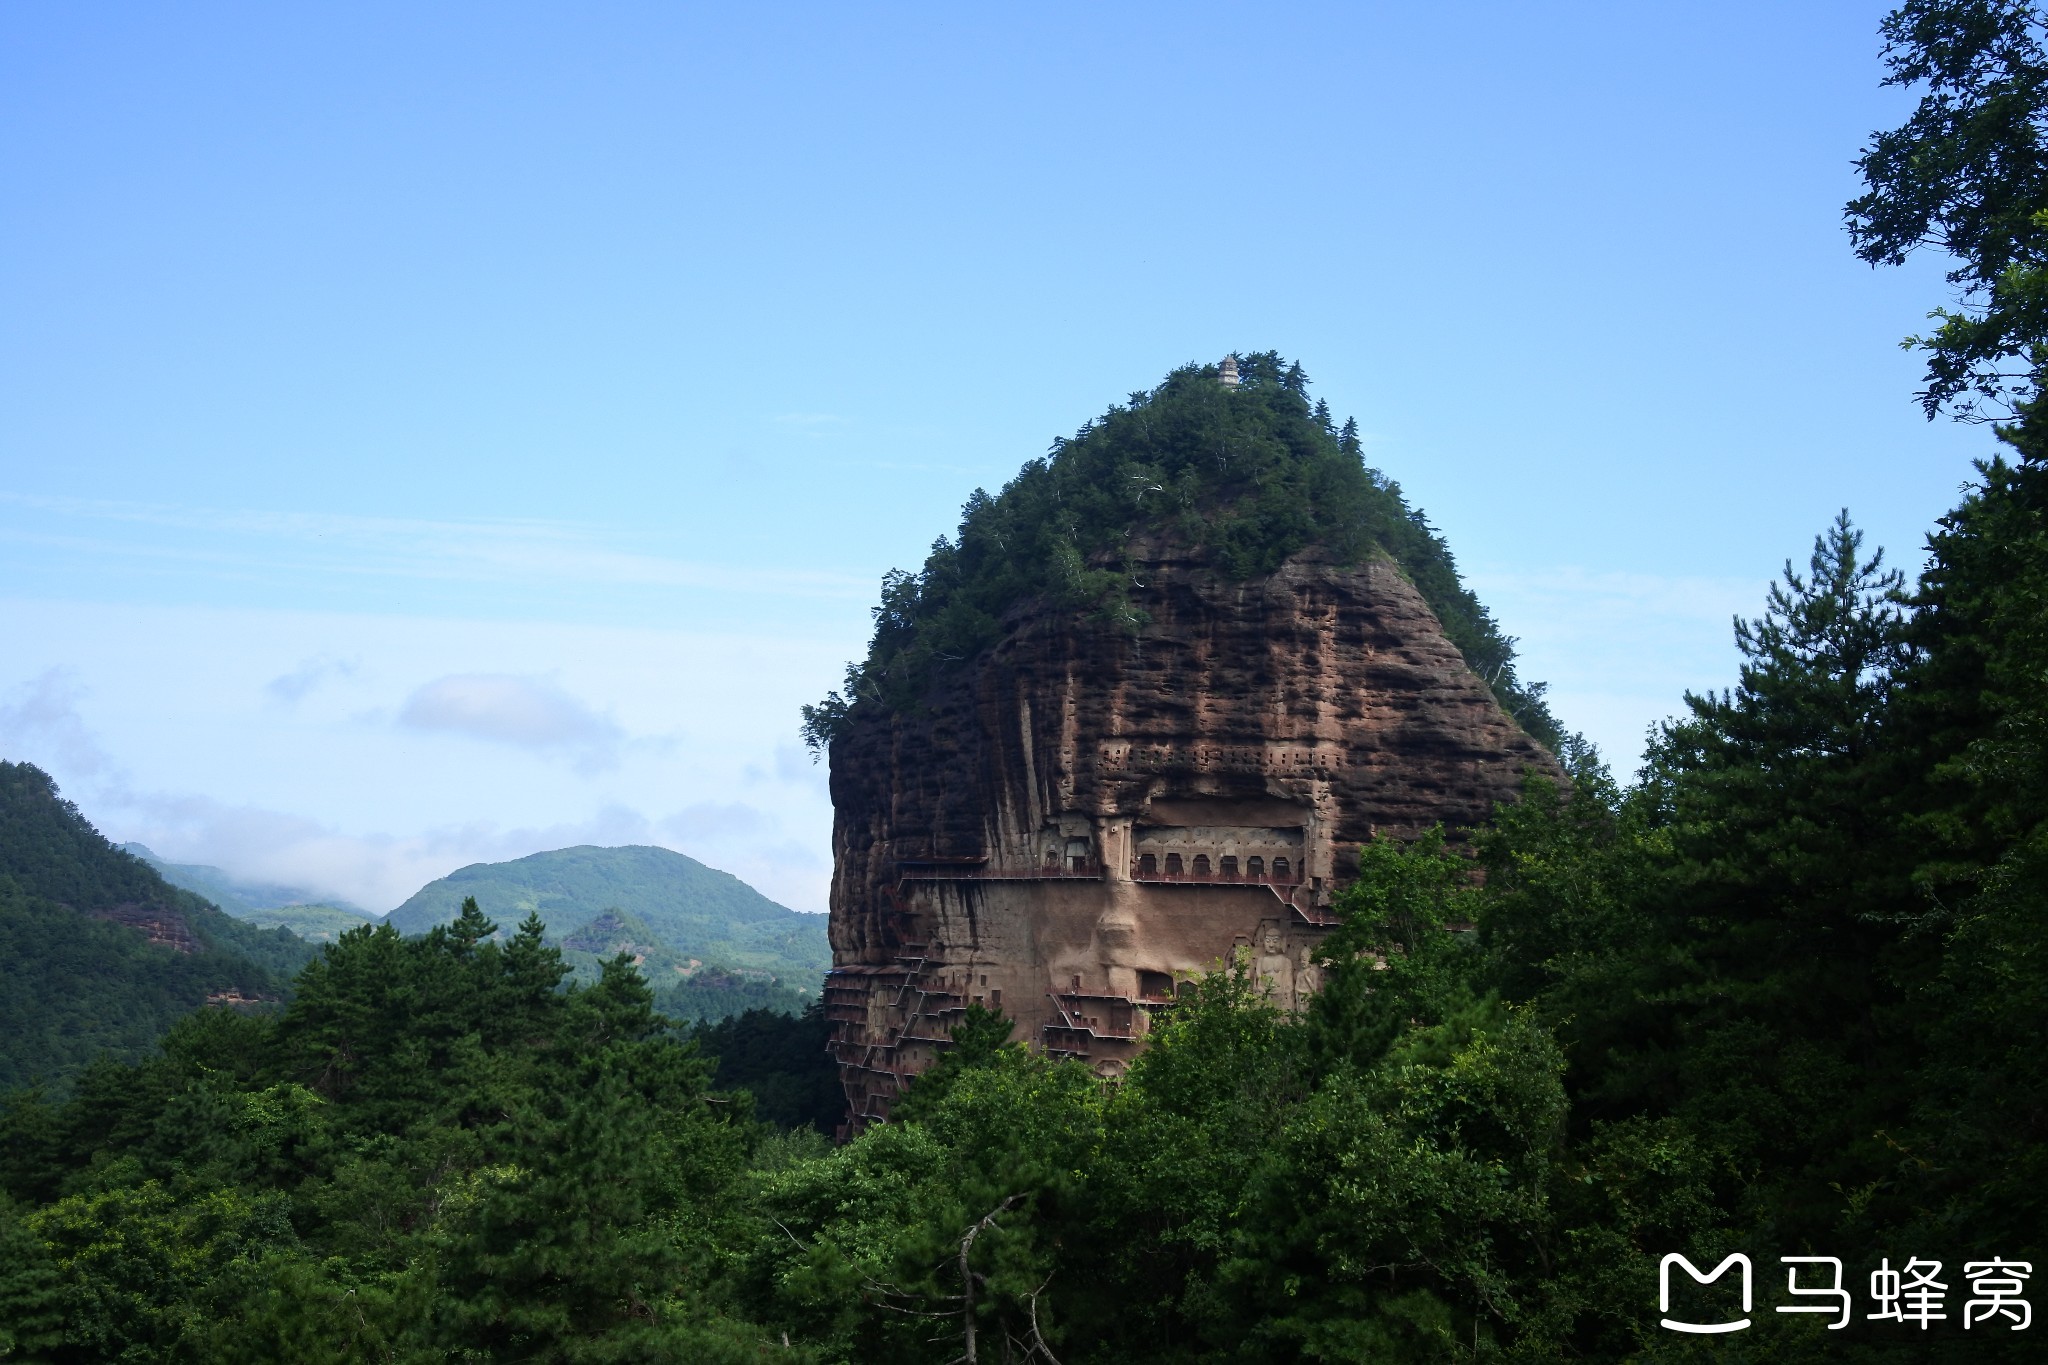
967,1275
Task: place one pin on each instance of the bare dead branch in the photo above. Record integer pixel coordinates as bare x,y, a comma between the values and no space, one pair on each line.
967,1276
1038,1338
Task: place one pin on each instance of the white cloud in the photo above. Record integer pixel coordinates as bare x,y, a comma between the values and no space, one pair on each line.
795,763
198,759
529,713
711,821
793,766
40,724
292,687
379,871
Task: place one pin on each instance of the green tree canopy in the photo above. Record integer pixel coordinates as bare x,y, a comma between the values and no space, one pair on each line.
1247,476
1968,173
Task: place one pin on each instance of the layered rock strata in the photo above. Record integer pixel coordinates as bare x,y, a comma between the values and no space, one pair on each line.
160,924
1082,817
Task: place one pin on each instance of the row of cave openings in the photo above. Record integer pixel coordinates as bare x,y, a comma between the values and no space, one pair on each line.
1149,867
1226,868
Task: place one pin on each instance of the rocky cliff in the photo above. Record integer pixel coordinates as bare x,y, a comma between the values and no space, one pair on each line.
1084,814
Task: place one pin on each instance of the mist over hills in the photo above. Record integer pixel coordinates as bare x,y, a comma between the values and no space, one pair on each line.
268,905
238,896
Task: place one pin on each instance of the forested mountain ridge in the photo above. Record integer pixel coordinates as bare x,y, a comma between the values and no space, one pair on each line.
98,952
709,944
1245,476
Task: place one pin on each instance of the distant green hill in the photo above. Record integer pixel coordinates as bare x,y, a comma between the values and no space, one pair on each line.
709,944
98,953
313,923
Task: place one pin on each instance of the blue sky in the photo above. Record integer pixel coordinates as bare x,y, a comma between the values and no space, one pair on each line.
434,433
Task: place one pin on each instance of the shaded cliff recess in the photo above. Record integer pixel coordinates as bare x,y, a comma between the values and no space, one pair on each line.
1136,722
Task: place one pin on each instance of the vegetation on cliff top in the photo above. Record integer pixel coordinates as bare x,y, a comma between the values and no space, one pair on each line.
1250,476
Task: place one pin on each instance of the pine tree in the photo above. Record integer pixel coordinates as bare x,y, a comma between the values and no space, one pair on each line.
31,1296
1790,762
1347,439
980,1038
1778,894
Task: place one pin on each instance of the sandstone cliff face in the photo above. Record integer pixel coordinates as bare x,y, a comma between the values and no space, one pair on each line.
1081,816
161,925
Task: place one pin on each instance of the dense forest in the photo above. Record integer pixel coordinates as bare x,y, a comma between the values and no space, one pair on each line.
717,993
1245,476
74,986
1783,995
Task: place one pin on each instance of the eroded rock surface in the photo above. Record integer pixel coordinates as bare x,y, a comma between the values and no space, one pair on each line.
1082,816
160,924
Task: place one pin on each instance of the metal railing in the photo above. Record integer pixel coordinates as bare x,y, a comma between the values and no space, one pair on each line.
1217,877
1086,870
